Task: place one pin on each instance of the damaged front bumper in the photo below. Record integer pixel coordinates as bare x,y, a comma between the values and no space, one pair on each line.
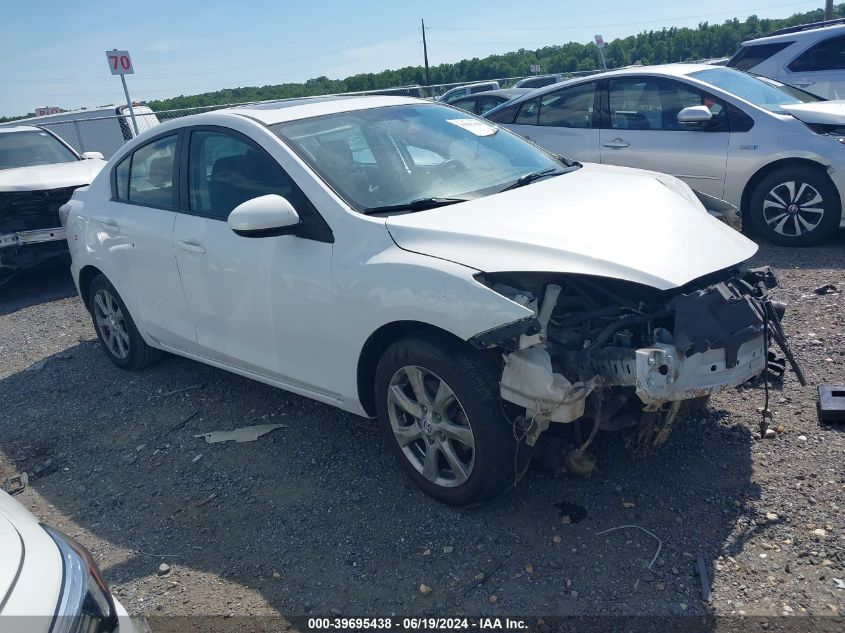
582,357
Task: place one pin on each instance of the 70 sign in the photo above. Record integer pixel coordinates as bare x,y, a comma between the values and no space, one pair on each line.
119,62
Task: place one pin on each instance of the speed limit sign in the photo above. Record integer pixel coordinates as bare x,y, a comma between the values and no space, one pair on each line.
119,62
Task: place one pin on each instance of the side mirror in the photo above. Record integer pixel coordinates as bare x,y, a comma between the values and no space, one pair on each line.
264,216
695,114
93,155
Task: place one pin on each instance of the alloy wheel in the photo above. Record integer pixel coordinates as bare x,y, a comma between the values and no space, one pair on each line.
111,324
793,208
431,426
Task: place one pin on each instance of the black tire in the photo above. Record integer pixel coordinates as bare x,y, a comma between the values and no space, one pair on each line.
770,222
138,354
477,394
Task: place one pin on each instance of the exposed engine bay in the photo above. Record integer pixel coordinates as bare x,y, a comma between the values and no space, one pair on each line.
627,355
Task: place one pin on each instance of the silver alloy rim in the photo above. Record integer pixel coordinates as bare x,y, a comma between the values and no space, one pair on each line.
111,324
793,208
431,426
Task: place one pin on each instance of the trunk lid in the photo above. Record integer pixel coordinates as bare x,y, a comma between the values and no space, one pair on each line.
818,112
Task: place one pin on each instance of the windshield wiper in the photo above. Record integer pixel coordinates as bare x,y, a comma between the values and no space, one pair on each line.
527,179
415,205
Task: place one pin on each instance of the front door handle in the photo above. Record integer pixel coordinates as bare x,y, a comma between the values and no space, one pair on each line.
191,247
617,143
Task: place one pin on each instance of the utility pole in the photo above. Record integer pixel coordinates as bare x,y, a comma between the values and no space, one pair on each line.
828,9
425,54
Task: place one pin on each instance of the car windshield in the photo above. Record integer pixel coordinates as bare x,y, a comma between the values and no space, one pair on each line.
765,94
27,149
411,157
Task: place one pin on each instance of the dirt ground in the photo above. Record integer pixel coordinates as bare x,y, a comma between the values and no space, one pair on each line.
316,518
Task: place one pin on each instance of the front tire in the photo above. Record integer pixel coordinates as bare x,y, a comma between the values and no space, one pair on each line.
438,406
796,206
115,328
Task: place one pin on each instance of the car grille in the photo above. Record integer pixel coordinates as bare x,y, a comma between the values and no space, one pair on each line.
32,210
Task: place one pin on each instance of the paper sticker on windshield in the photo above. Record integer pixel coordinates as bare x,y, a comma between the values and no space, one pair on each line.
475,126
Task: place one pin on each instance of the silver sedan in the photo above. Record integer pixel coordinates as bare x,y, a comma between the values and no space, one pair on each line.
773,151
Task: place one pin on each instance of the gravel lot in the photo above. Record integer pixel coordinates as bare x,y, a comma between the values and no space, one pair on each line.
317,518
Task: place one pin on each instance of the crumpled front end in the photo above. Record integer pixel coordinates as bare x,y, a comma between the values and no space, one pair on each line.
626,355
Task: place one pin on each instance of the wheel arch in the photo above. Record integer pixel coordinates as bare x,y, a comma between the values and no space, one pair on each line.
86,275
751,185
375,346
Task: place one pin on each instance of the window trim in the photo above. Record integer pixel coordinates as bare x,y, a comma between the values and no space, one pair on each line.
131,156
313,227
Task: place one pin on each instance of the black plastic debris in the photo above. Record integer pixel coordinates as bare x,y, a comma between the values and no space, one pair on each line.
826,289
832,404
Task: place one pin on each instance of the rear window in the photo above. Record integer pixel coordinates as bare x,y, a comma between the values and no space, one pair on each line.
749,56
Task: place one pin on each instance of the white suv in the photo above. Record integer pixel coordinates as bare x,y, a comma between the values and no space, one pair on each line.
810,56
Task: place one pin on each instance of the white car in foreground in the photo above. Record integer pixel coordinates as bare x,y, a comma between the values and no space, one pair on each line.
402,258
49,582
38,174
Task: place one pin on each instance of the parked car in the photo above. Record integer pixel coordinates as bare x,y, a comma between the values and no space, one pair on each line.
483,101
394,258
772,151
809,56
468,89
38,173
49,582
539,81
102,129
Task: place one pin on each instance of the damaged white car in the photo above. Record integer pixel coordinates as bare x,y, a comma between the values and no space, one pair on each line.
406,260
38,174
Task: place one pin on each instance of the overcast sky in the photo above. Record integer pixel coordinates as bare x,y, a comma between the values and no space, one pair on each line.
53,53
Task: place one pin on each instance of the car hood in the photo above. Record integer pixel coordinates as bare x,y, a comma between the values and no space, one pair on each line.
819,112
599,220
11,553
57,176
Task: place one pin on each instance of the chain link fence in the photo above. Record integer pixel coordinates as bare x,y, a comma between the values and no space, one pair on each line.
105,130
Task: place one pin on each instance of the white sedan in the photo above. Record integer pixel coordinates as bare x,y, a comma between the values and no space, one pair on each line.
49,582
404,259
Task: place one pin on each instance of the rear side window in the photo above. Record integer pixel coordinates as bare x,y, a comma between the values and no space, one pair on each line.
464,104
572,107
749,56
826,55
151,173
121,178
528,113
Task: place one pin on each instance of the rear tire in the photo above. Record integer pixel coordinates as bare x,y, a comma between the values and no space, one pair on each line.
796,206
115,328
439,408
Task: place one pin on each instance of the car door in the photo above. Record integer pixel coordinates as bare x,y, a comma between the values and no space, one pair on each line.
137,228
562,121
640,129
253,299
820,69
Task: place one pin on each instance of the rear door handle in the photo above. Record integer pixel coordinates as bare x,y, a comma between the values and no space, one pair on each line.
190,247
617,143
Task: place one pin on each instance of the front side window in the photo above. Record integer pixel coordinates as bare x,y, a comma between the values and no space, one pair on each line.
651,103
398,155
224,171
151,173
749,56
764,94
29,149
528,113
572,107
826,55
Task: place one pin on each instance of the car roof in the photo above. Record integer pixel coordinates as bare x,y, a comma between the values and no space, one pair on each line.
20,128
293,109
812,31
